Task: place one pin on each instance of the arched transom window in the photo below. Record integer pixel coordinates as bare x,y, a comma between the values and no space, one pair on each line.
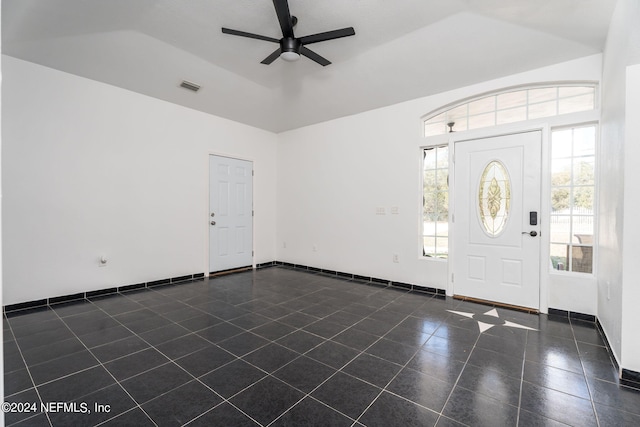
513,106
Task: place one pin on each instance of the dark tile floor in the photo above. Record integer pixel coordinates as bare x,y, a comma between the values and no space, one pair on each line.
284,347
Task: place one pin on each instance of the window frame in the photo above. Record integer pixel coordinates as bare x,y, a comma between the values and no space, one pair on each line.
596,190
435,236
465,103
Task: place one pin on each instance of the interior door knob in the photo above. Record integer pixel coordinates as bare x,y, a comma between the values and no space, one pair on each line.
213,223
531,233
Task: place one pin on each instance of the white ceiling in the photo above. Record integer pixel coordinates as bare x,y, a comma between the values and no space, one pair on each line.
403,49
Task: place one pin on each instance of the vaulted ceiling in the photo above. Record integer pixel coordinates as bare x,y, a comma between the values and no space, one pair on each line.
403,49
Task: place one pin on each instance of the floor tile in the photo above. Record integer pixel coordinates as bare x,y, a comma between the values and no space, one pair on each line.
205,360
90,322
202,321
506,364
220,332
107,352
164,334
492,384
224,415
105,336
182,346
557,379
611,394
452,348
73,308
17,381
389,410
476,409
436,365
355,339
372,369
325,328
265,339
420,388
310,412
558,406
153,383
250,321
271,357
232,378
403,335
526,419
26,397
346,394
182,404
136,363
300,341
267,399
392,351
333,354
304,373
104,404
52,350
243,343
62,366
133,418
71,387
608,416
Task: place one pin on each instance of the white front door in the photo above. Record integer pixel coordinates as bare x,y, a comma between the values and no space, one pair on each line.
497,219
230,213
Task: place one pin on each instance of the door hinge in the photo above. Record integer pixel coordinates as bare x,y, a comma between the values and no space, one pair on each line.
251,253
253,213
252,172
452,278
453,217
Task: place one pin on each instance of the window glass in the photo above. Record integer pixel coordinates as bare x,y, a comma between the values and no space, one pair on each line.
435,212
510,107
572,199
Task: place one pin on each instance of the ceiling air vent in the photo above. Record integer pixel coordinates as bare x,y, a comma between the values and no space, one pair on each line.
191,86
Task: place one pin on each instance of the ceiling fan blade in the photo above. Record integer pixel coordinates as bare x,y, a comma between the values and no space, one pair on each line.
314,56
249,35
329,35
269,59
284,17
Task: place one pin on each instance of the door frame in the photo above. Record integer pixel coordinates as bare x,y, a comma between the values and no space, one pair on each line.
545,204
206,213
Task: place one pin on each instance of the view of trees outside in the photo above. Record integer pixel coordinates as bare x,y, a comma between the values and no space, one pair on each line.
436,202
572,198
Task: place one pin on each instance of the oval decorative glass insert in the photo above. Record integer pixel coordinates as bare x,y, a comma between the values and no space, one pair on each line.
494,198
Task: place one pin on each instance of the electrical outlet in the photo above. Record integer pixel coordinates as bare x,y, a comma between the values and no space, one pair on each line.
284,245
395,258
315,248
395,210
381,211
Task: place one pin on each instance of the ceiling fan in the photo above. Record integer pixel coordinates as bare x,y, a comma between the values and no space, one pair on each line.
291,47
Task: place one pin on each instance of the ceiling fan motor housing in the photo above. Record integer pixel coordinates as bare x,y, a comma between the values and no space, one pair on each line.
289,44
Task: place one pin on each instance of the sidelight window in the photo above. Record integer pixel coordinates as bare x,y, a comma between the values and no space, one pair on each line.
573,152
435,207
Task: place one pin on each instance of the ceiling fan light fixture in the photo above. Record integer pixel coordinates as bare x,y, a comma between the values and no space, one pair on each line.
290,56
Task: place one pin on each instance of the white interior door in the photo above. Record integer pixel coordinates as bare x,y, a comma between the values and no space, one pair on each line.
230,213
497,240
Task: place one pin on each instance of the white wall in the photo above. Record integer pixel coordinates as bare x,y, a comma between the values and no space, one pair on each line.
631,244
617,178
1,300
90,170
332,176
